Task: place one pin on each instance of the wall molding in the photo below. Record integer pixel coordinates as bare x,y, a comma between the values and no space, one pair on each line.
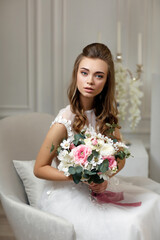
57,43
6,110
38,53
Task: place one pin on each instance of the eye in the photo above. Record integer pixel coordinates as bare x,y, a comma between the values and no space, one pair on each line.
84,73
99,76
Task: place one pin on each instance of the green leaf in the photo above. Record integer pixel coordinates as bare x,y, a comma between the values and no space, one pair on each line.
95,153
111,130
90,173
76,173
86,172
96,179
86,176
77,177
72,170
59,149
114,125
108,125
78,169
90,158
79,136
127,153
90,180
120,155
103,167
52,148
111,127
78,139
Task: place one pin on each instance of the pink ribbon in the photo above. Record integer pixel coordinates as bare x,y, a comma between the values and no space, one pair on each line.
113,197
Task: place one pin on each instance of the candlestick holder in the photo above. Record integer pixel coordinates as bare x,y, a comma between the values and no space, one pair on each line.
138,71
119,57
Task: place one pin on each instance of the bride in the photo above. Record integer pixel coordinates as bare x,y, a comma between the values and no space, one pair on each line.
91,96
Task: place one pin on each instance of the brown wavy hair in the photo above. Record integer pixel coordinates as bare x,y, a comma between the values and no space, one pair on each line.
105,106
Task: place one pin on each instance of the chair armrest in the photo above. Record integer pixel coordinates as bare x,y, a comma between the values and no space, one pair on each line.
31,223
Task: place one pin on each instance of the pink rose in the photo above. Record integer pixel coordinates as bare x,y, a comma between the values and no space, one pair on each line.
72,146
81,154
94,141
112,161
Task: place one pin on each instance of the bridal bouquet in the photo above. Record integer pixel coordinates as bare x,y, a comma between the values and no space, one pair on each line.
90,157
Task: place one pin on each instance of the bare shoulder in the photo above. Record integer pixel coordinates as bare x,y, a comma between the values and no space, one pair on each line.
66,113
57,132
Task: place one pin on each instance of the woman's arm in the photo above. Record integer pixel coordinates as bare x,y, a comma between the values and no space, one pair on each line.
121,162
43,168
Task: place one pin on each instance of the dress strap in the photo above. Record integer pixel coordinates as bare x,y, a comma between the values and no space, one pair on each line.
66,123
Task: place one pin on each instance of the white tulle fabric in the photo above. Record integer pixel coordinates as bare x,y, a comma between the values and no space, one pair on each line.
94,221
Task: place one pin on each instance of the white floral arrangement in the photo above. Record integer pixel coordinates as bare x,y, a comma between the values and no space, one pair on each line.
121,89
128,95
135,102
90,156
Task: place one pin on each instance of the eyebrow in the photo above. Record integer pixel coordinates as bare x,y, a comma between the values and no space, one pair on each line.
98,72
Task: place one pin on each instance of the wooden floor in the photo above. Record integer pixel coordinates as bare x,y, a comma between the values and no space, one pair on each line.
5,230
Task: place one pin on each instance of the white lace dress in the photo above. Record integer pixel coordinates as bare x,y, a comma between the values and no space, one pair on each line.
107,221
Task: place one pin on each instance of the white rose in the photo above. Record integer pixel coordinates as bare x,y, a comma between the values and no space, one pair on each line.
62,154
107,150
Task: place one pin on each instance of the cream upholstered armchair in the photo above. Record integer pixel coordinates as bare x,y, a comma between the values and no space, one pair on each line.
20,140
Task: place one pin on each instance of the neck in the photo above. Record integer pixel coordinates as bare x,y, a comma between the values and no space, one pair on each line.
87,103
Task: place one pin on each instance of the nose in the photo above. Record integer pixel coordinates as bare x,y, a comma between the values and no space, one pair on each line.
90,80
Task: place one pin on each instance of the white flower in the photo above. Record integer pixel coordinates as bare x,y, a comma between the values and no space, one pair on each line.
107,150
65,157
65,144
64,168
62,154
121,89
96,161
88,166
88,142
128,95
100,142
120,144
104,176
135,95
109,140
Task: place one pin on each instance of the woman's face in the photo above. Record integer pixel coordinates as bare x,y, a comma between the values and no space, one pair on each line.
91,77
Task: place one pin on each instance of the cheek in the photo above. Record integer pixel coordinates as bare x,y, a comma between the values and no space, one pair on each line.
100,86
80,81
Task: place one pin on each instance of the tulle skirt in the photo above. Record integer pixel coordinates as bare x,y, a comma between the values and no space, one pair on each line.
107,221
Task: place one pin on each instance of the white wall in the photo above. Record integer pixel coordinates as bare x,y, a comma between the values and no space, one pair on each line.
155,129
39,41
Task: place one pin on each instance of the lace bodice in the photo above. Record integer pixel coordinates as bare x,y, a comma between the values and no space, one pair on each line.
66,117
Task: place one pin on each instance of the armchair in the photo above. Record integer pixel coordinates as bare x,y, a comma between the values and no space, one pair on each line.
20,138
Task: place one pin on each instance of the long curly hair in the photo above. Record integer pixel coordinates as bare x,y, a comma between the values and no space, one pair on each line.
105,106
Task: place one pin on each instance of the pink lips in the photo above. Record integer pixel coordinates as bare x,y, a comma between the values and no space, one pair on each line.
89,90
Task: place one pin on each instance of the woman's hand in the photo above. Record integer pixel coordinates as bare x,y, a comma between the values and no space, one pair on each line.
98,188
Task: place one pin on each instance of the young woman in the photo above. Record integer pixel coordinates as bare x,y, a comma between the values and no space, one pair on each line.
92,101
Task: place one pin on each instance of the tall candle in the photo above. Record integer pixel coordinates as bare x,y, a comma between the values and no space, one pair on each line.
118,37
140,48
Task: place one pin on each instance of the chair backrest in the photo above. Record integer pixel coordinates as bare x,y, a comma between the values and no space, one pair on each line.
20,138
